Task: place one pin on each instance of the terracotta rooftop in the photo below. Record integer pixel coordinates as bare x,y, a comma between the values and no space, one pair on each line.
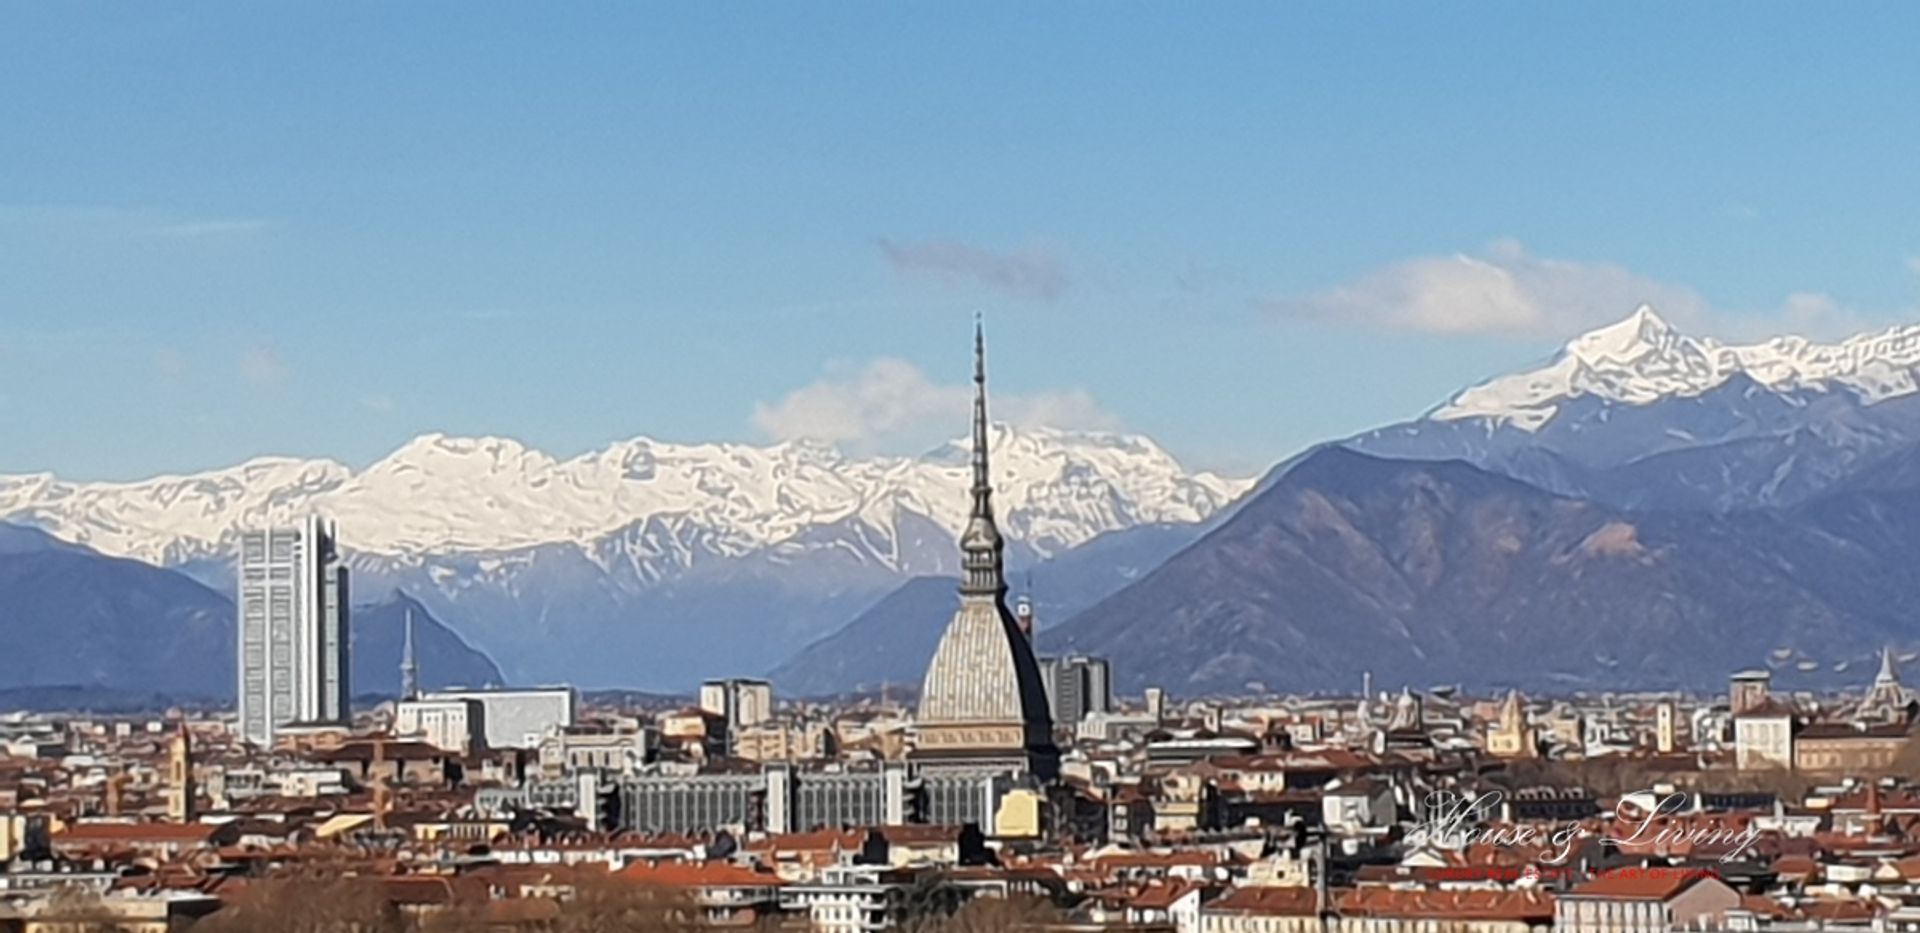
185,833
1161,896
818,840
1639,884
1268,901
698,875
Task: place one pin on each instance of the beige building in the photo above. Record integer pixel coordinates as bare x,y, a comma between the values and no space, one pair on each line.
1263,910
784,742
1379,909
75,911
1848,748
1763,737
1644,900
1511,736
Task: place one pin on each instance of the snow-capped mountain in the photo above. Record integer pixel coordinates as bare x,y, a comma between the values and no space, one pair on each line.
440,495
1643,359
646,563
1639,415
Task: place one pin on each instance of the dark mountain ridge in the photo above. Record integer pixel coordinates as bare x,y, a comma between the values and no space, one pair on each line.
1434,571
78,624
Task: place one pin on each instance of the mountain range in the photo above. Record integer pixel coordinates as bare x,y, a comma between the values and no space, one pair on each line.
634,565
1638,415
1645,507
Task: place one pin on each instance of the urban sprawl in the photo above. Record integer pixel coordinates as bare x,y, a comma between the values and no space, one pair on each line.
1014,792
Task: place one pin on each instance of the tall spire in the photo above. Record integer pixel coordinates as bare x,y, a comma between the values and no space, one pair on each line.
982,479
1888,675
409,665
981,545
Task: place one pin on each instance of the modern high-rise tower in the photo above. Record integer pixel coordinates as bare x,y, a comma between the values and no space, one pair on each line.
1077,687
293,629
984,705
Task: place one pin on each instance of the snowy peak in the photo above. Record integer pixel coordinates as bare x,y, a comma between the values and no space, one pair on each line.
439,495
1643,359
1640,334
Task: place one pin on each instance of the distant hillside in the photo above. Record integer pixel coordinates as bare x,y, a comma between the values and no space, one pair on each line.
1426,572
446,660
890,643
71,617
85,630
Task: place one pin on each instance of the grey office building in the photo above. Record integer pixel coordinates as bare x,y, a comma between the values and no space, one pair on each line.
1076,686
784,799
292,603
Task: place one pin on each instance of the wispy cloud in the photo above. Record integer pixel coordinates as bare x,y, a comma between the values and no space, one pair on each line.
377,403
1506,290
1037,273
891,404
261,364
122,223
170,363
205,229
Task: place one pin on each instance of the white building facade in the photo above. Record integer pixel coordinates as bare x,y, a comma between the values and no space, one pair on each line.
293,629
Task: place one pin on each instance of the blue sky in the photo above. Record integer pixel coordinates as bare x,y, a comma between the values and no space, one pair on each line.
233,230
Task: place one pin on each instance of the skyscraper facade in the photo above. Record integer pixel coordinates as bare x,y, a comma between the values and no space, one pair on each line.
293,629
1076,687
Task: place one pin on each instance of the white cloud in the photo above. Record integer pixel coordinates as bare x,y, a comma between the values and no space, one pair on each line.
377,403
1033,272
1506,290
891,404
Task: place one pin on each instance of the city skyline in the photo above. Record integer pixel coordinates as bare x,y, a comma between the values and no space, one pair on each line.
478,467
549,243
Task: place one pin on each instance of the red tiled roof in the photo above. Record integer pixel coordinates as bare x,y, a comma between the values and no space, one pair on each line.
1203,858
1795,866
187,833
1839,910
1161,896
698,875
917,835
1269,901
818,840
1639,884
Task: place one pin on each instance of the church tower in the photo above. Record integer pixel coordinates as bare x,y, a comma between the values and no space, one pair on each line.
983,704
1887,699
180,790
1511,736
